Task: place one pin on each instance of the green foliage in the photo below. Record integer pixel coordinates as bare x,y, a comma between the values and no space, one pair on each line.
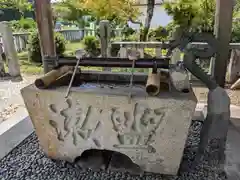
150,51
236,12
27,23
127,31
158,34
132,37
60,43
199,15
20,5
68,11
182,11
171,28
116,11
91,44
35,50
196,15
236,32
236,24
15,25
24,24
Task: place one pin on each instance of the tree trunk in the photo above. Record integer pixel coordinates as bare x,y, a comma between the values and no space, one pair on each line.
150,10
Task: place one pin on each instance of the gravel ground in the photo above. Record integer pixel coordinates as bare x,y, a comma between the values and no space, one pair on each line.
28,162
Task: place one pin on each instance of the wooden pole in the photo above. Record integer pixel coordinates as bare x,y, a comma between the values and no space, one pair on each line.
223,29
45,29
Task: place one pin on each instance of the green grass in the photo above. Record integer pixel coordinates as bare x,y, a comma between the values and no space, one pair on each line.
28,67
72,47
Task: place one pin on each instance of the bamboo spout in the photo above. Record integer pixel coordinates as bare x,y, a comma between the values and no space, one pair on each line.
153,84
51,76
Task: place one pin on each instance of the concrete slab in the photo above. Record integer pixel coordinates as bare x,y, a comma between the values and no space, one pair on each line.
200,112
13,132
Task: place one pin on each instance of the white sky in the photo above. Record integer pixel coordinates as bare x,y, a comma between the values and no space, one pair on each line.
55,0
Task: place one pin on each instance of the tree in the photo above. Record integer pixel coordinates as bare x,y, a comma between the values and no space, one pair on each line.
20,5
236,12
183,12
199,15
67,10
195,15
150,11
118,12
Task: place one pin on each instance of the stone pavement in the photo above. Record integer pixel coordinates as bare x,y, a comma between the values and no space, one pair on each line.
232,167
232,164
10,98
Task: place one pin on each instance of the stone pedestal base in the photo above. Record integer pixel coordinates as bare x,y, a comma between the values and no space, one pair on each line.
151,131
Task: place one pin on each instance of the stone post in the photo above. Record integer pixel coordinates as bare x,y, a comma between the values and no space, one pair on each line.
105,35
123,52
158,52
176,53
234,66
176,56
11,54
2,70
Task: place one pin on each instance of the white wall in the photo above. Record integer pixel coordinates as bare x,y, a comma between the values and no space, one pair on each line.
160,17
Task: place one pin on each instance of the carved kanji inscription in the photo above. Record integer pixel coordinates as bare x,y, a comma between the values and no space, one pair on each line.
136,129
79,121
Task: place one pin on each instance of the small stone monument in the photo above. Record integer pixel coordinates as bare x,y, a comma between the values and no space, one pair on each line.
10,51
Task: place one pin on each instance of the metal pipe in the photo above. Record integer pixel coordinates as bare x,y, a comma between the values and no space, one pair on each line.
116,62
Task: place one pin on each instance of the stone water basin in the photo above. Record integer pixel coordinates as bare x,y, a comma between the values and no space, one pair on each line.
151,131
